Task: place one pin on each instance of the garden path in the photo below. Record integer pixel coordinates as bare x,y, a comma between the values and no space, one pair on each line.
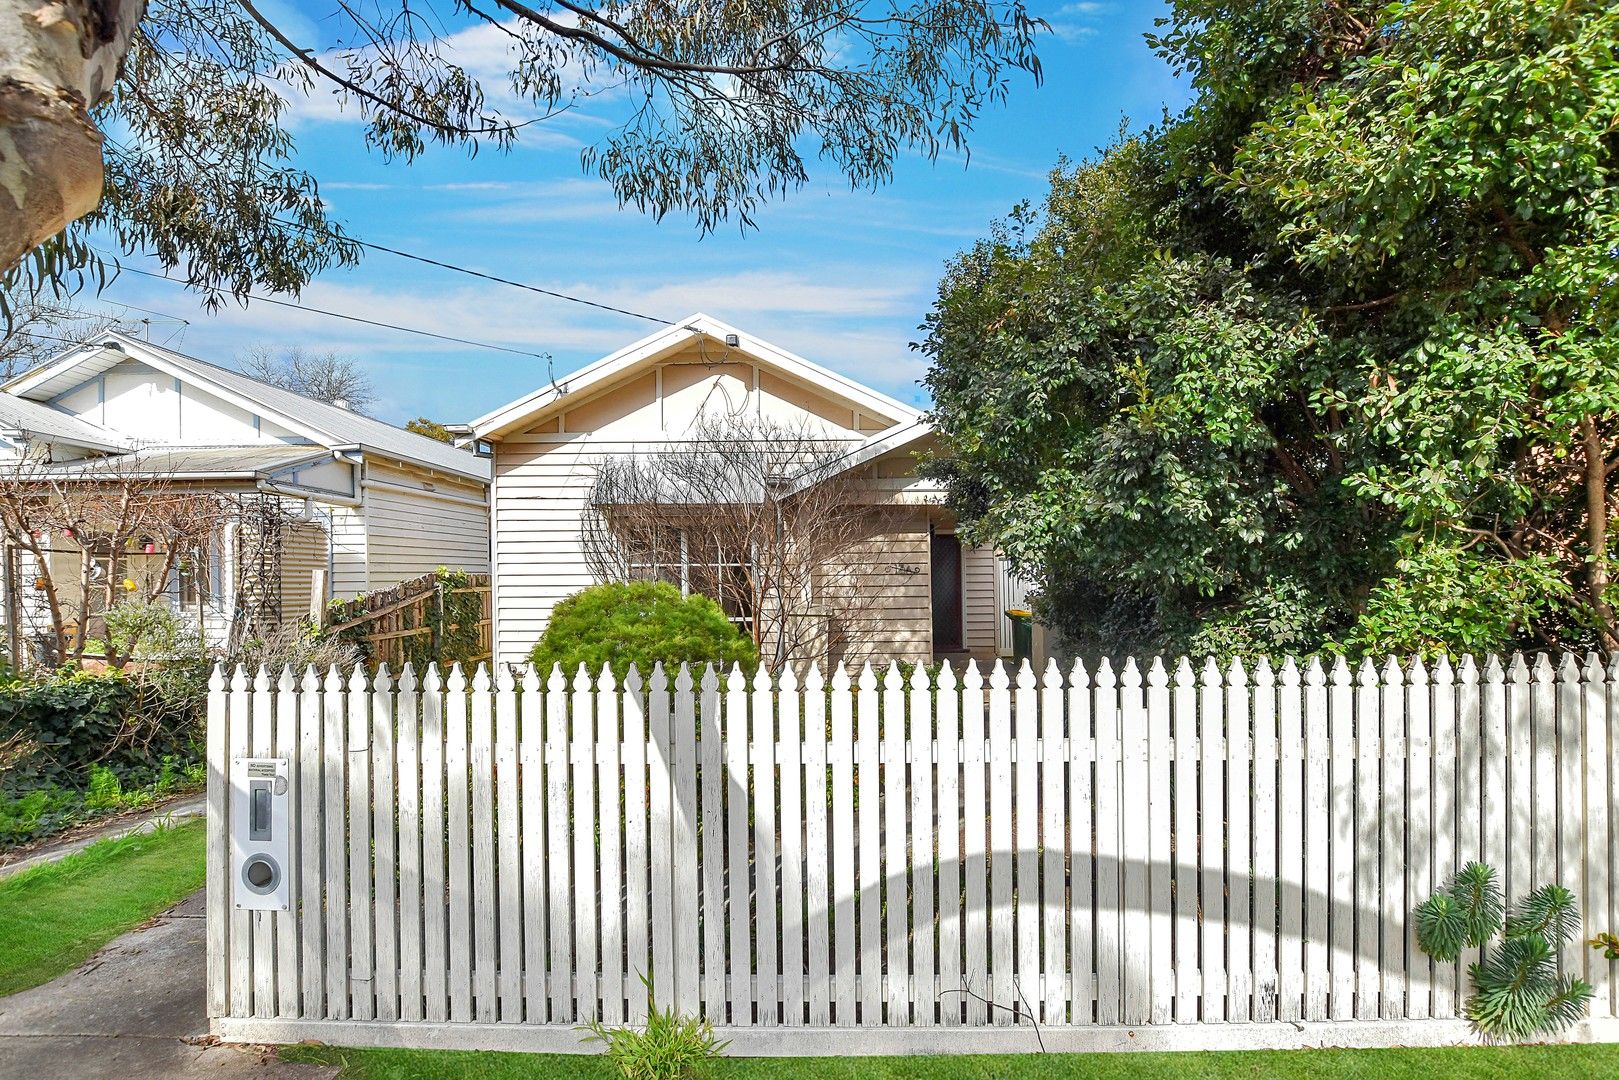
136,1009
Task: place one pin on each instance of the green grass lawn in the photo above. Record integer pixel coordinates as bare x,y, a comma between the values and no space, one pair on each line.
55,916
1464,1063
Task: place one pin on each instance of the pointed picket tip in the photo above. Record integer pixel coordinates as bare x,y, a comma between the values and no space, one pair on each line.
530,680
632,680
892,680
868,678
1314,673
407,676
658,682
1519,668
238,678
261,678
1366,674
683,682
710,682
735,679
1185,674
216,680
1340,670
1131,676
972,678
288,682
358,682
1025,675
582,682
504,682
1052,679
761,678
433,681
607,682
1236,674
1568,670
814,681
1443,673
1544,672
1593,667
311,682
457,681
1291,676
383,681
1419,670
788,681
840,677
334,679
1493,671
1263,675
998,679
1468,671
947,676
1104,673
1393,674
919,677
1211,672
1078,677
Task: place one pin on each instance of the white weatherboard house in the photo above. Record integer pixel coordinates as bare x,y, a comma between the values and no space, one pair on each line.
934,596
367,504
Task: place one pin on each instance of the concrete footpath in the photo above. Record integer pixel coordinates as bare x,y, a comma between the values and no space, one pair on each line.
136,1009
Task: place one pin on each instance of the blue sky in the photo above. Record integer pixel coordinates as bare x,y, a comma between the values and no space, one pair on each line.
841,277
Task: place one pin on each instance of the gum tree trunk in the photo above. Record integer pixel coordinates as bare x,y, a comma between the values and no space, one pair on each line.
58,60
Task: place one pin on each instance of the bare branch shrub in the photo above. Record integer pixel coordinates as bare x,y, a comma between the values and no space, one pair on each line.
101,532
761,516
298,646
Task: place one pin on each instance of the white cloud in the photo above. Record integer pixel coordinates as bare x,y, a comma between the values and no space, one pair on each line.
855,323
1076,22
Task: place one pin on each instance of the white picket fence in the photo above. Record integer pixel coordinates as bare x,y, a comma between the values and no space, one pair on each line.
1163,859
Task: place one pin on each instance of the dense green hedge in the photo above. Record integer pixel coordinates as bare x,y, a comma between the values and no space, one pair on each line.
86,743
643,623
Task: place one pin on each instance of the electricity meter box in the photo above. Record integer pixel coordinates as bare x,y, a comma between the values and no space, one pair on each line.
261,832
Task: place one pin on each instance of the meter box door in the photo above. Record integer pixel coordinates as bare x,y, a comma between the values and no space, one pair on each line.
261,831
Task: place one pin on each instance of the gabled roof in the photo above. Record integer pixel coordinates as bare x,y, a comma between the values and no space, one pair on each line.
533,407
895,438
322,423
26,417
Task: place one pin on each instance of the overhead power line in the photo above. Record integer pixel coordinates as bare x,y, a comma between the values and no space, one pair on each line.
487,277
354,318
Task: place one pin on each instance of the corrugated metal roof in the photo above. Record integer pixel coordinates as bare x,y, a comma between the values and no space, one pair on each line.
335,426
21,415
194,461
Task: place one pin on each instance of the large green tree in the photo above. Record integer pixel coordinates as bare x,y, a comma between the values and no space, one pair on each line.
1328,359
177,109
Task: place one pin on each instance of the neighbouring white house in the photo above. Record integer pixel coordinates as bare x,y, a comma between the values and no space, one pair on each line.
358,504
933,597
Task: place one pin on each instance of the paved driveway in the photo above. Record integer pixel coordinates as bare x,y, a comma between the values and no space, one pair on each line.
136,1009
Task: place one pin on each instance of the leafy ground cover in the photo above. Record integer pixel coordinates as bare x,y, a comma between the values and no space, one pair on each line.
41,811
1452,1063
55,916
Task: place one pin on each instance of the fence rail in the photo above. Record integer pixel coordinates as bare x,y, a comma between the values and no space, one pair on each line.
415,618
1168,857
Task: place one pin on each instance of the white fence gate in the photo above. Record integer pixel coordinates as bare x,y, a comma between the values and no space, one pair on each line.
1166,859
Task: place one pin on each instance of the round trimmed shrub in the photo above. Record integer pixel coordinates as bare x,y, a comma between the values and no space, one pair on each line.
640,623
